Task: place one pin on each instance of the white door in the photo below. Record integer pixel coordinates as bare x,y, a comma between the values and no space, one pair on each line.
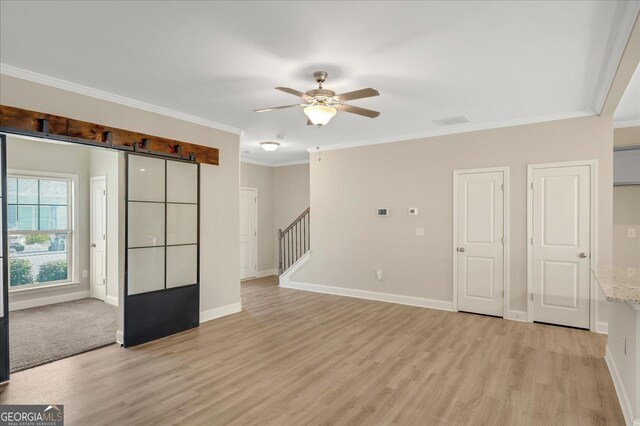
98,237
561,222
248,232
479,254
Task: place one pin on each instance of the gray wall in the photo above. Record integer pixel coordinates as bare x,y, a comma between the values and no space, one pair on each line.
261,178
626,215
626,209
349,242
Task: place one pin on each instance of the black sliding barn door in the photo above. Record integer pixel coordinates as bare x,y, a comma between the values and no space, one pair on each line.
162,269
4,275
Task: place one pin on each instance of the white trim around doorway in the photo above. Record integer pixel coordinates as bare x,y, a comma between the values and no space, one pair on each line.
257,234
593,290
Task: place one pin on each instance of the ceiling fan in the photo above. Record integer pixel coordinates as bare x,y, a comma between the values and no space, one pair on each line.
322,104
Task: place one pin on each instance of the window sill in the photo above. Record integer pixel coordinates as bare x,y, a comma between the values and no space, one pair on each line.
39,288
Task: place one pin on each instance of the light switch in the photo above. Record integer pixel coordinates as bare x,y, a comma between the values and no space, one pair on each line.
631,232
419,232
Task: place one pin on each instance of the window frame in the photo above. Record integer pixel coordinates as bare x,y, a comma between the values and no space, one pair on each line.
72,234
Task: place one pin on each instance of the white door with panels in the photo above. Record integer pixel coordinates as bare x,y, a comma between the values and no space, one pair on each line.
479,222
560,232
99,237
248,232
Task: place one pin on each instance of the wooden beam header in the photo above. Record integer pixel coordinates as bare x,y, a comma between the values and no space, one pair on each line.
22,121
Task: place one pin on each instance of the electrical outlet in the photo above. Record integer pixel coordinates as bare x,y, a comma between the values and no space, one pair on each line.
631,232
85,274
379,274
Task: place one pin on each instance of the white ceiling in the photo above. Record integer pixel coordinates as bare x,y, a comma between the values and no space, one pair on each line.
495,62
629,106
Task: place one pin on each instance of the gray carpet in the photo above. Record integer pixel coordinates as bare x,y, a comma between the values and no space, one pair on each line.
48,333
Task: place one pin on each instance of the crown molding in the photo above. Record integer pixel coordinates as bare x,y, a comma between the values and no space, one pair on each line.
453,130
628,15
256,162
111,97
628,123
281,164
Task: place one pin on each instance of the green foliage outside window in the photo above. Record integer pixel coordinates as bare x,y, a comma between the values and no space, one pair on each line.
20,272
37,238
53,271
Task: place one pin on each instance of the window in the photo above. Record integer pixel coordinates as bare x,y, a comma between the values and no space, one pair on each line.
39,219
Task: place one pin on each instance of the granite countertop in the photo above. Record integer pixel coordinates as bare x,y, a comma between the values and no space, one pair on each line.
619,283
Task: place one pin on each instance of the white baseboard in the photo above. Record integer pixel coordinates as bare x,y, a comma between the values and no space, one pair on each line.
111,300
516,316
627,408
222,311
602,327
47,300
285,278
372,295
120,337
266,273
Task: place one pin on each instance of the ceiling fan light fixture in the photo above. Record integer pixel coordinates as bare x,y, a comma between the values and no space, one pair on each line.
319,114
269,146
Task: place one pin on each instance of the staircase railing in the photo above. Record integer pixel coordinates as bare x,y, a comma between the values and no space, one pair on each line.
293,241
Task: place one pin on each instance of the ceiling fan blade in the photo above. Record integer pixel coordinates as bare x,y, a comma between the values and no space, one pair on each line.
357,110
357,94
294,92
280,107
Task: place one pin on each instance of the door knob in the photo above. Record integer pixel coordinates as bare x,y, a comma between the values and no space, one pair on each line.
93,245
583,255
461,249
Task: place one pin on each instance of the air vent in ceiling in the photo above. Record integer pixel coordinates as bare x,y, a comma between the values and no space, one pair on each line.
450,121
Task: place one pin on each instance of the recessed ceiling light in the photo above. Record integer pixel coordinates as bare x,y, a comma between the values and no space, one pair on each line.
269,146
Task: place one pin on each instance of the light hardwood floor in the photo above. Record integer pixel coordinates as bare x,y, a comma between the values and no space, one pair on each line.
293,357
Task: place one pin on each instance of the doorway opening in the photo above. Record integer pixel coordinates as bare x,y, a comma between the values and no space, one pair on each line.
561,228
63,260
248,233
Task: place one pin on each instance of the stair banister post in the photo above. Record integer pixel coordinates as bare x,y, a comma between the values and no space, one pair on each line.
280,252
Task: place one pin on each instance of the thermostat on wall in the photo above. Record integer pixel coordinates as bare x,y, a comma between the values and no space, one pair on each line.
413,211
383,212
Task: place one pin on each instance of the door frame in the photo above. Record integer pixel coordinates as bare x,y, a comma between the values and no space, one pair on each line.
5,367
505,247
593,232
255,226
92,179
